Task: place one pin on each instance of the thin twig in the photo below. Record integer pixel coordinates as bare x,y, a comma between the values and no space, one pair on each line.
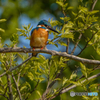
11,69
18,78
9,82
76,43
16,84
67,47
73,86
93,5
72,83
94,42
4,96
50,84
87,43
33,89
10,87
54,39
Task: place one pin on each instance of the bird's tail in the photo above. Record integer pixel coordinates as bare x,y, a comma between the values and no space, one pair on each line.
34,54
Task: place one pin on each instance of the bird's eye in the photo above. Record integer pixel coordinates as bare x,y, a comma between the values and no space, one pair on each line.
46,25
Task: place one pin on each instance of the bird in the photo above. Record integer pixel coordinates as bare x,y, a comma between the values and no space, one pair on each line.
39,35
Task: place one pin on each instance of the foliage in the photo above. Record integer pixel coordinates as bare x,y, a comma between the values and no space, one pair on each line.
47,78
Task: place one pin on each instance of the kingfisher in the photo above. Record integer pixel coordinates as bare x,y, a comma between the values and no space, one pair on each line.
39,35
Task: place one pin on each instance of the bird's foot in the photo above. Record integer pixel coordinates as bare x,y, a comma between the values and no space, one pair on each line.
33,49
42,48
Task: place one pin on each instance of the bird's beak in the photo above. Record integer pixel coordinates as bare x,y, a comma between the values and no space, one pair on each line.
50,28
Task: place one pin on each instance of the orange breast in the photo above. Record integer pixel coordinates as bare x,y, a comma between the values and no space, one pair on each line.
39,38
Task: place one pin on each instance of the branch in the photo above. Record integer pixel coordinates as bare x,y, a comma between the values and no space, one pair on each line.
67,47
52,52
11,69
10,87
76,43
93,5
9,82
4,96
16,84
73,86
87,43
33,90
50,84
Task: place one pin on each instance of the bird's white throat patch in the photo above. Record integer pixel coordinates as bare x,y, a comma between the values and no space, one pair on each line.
39,26
42,26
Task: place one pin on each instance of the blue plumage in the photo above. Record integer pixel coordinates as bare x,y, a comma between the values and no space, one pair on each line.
44,22
37,29
39,35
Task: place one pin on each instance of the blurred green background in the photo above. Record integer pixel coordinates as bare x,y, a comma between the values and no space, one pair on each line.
20,12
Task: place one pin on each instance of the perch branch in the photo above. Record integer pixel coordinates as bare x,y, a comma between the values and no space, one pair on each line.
52,52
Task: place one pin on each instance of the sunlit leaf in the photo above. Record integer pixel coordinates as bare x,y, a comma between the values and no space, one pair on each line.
30,75
93,12
2,30
73,75
2,20
38,93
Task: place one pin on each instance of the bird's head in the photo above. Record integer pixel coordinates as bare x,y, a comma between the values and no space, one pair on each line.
46,24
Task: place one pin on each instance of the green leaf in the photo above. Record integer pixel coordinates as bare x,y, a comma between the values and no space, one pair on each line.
69,8
56,45
67,35
98,50
57,79
74,13
60,3
39,93
64,81
28,26
23,88
28,85
21,30
65,19
82,66
42,57
1,91
2,20
25,27
1,80
62,43
55,22
84,70
2,30
93,86
95,98
65,5
93,12
73,75
86,97
81,0
30,75
83,10
40,79
14,38
27,38
76,83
